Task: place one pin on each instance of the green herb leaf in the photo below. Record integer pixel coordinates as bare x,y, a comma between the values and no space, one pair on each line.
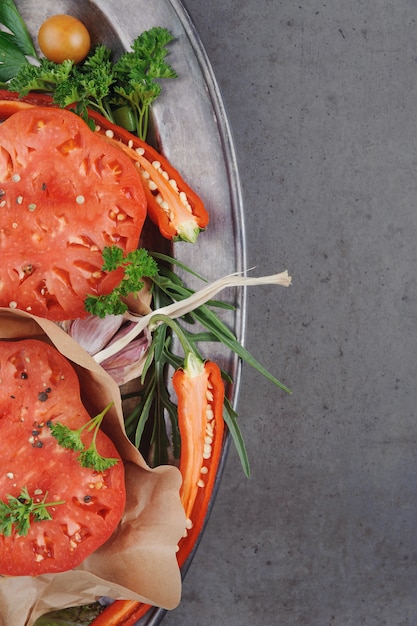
11,57
72,616
17,514
112,258
130,84
137,264
72,440
67,438
91,458
137,72
11,19
47,77
230,417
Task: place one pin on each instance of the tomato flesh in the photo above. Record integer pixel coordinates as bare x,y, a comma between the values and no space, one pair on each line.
64,195
39,385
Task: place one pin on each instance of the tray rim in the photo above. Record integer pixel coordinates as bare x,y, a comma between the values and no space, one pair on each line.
155,616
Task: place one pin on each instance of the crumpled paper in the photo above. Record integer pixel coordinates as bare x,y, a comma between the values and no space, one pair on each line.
138,562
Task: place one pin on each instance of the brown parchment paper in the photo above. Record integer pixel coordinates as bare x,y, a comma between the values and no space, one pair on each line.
139,560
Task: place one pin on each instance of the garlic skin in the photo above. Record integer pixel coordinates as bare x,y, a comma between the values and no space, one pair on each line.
120,343
95,334
190,303
127,364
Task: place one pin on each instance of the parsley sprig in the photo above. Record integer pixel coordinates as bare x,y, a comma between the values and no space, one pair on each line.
72,440
17,513
136,74
122,90
136,265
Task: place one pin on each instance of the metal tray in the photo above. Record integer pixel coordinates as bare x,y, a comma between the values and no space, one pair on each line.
191,128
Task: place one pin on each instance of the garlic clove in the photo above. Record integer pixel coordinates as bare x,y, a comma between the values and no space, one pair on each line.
94,333
128,363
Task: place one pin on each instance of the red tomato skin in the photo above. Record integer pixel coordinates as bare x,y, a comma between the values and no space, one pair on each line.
38,386
65,195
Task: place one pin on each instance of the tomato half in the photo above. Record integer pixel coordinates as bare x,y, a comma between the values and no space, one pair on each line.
65,194
39,385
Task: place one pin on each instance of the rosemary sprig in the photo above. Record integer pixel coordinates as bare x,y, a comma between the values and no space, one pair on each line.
154,398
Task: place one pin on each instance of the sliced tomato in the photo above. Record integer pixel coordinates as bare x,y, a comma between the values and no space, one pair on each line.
39,386
65,194
176,209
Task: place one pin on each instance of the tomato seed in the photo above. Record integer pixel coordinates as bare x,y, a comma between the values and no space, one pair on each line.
27,269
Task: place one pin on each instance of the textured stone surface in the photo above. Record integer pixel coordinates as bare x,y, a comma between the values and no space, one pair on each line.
321,97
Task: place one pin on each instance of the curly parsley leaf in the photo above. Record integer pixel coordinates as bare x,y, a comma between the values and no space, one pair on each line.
136,264
72,440
137,71
47,77
67,438
71,616
17,513
90,458
122,90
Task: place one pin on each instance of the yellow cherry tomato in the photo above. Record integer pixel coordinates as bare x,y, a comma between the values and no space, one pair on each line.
64,37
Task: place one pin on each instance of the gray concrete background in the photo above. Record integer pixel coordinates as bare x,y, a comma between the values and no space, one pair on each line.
322,100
